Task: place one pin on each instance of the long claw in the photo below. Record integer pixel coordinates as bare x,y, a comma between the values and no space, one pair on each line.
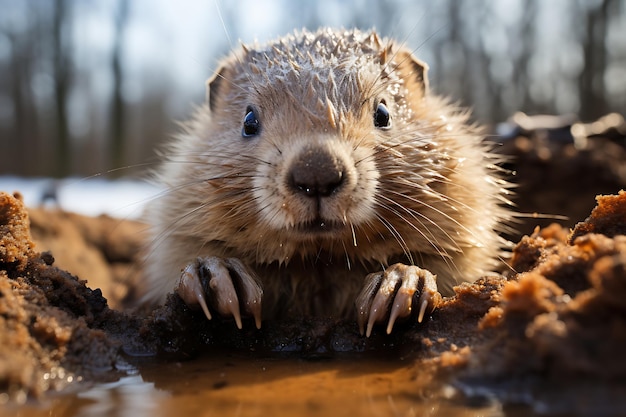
237,316
225,297
232,290
404,298
401,307
420,316
370,325
204,307
190,289
364,300
250,289
390,295
257,319
379,309
429,297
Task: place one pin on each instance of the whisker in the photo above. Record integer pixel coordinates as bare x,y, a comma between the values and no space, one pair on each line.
416,213
354,242
237,57
345,251
439,249
408,183
397,236
196,158
174,225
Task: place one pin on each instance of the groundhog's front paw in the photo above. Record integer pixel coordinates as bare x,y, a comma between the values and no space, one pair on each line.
228,285
390,295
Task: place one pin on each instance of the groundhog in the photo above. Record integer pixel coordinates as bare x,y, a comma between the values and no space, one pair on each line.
321,172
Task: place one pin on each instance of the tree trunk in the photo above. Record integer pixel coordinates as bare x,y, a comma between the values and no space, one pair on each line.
62,80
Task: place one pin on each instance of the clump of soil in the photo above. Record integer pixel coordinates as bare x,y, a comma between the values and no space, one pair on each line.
46,315
562,324
103,250
608,218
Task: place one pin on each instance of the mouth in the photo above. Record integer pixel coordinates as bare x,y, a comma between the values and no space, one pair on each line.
319,227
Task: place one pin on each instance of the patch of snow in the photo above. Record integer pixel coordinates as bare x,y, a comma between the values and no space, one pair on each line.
123,198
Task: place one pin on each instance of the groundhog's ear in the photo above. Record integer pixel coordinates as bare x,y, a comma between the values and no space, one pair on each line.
414,70
215,86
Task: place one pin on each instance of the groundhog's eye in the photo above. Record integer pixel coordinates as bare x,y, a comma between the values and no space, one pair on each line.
382,119
251,124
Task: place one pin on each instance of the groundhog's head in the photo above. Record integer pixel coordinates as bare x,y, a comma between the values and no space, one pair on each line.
322,131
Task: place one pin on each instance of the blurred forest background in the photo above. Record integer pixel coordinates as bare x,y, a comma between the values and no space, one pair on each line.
87,86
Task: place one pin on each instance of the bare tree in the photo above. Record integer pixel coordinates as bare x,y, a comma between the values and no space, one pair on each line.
526,41
21,71
21,131
117,133
591,84
62,67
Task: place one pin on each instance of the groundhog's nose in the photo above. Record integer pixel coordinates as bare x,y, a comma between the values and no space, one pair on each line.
316,172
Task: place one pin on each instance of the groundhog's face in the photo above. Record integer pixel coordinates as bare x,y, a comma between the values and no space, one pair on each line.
323,124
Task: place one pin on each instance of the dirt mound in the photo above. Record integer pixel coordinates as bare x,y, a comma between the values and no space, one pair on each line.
556,336
48,319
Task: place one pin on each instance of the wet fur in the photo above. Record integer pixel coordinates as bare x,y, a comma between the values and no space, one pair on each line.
425,192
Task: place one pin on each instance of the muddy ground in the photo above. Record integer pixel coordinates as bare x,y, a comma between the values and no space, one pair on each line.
557,320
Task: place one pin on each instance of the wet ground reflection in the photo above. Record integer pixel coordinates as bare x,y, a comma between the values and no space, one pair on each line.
243,385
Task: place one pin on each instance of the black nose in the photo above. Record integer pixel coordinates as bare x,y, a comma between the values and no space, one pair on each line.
316,172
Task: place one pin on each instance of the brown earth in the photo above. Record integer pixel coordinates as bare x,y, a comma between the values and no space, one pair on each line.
558,167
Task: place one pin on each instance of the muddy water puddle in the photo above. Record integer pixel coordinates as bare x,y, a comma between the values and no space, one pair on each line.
243,385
